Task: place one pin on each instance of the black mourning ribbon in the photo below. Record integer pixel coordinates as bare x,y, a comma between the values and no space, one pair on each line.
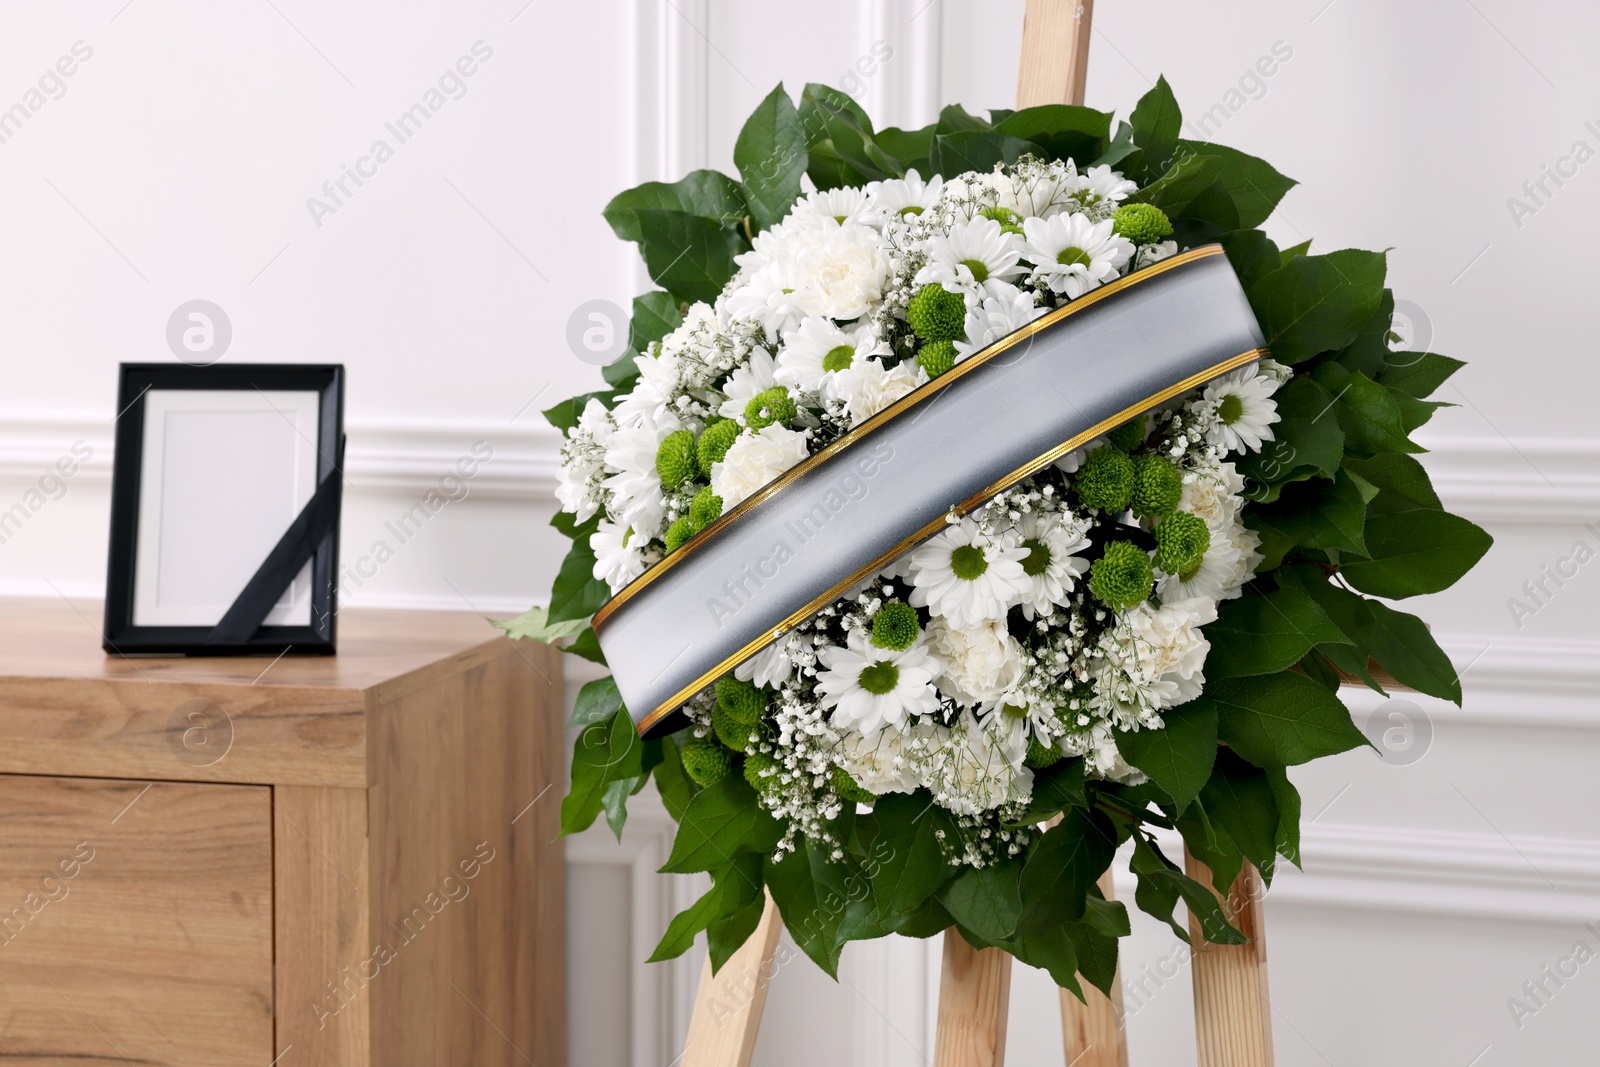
298,542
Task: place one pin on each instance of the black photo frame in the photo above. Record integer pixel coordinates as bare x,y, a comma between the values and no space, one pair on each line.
161,597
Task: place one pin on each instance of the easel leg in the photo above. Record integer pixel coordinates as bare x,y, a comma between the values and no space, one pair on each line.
974,999
1232,1013
1092,1031
727,1008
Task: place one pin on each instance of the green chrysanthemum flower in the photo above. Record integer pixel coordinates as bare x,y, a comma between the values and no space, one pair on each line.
1128,436
936,314
675,459
936,357
758,771
846,787
1010,221
731,732
706,761
742,701
704,509
1121,578
679,532
715,441
895,626
771,407
1157,486
1181,542
1105,480
1041,755
1142,224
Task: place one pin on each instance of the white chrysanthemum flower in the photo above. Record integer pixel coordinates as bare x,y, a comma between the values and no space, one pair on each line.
583,457
903,197
975,258
818,351
1211,490
653,394
844,205
967,578
869,688
972,773
1041,191
994,318
757,375
636,499
769,668
1101,189
878,762
1209,579
981,662
1245,409
1069,463
753,460
868,387
768,296
618,554
1073,254
1052,565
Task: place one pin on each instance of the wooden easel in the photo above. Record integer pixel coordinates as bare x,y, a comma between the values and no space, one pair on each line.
1232,1012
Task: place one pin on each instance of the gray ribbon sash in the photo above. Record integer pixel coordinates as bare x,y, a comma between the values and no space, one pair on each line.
846,512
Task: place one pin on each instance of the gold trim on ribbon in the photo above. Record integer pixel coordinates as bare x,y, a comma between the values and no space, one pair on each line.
1232,363
895,410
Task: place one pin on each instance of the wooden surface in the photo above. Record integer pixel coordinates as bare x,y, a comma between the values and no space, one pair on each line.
104,888
728,1005
390,847
1055,52
974,1002
1232,1012
1091,1029
67,708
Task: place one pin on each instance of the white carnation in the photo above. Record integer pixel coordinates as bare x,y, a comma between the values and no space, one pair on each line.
981,662
753,460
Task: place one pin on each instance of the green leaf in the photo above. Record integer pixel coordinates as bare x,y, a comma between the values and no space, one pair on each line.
1263,633
910,148
597,700
681,931
1051,951
721,821
906,862
672,781
689,256
1404,483
1415,552
704,193
602,753
1281,719
839,136
1061,866
587,646
726,936
955,119
815,895
1403,646
577,593
535,625
1097,955
1287,797
1110,917
1307,442
1212,847
1251,253
564,416
1369,415
1157,897
1296,250
1316,304
1214,924
1246,188
654,316
1370,348
1318,513
1239,798
1055,789
977,150
1156,121
771,156
1417,374
985,900
1185,179
1062,130
737,886
1178,756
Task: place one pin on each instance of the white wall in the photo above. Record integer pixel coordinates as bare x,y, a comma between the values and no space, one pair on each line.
178,165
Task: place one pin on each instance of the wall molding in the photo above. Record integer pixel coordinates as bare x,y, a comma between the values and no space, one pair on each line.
1537,481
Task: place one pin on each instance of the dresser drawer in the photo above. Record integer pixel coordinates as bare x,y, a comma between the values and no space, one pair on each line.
135,923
